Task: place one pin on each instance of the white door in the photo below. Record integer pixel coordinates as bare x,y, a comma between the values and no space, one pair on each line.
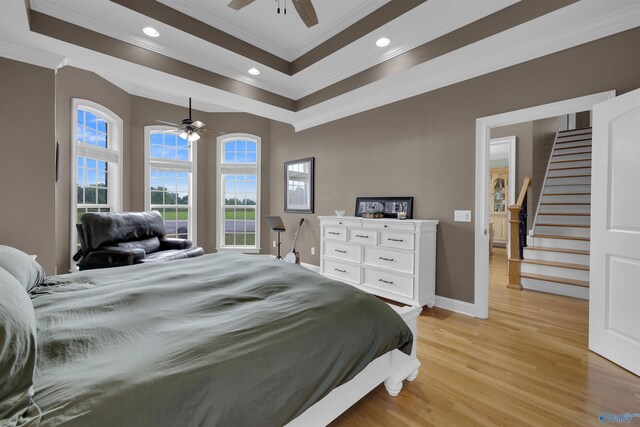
614,301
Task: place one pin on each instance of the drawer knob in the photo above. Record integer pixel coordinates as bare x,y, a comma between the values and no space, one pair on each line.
385,259
333,232
340,223
360,235
340,271
388,282
385,226
395,240
342,252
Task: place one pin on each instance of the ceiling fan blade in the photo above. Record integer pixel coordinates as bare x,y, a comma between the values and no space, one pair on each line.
198,124
171,130
167,123
239,4
306,11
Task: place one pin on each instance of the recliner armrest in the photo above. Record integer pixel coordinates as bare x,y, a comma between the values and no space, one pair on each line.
168,243
112,256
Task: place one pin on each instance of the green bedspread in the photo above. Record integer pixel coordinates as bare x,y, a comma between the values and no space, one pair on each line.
219,340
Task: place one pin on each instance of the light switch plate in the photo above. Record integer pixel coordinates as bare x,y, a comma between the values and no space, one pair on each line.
462,216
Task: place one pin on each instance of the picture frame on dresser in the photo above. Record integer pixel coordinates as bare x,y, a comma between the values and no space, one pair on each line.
299,185
387,206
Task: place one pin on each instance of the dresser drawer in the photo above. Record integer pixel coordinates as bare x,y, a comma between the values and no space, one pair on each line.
364,236
335,233
395,239
342,251
397,225
339,222
389,258
342,270
397,284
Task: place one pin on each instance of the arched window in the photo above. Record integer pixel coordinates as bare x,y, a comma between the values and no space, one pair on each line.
96,183
238,204
170,180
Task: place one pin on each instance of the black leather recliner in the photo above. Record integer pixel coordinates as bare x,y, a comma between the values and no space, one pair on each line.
118,239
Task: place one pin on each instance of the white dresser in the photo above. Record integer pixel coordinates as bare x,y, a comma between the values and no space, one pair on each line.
394,259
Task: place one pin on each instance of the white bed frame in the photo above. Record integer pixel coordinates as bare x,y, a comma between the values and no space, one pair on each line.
391,368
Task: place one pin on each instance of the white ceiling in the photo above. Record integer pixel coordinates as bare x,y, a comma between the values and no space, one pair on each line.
578,23
283,35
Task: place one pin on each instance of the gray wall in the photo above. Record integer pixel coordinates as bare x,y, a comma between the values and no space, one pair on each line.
27,160
425,146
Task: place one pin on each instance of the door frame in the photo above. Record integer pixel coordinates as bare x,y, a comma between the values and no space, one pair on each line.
483,132
510,142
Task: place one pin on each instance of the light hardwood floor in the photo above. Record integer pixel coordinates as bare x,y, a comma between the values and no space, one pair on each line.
527,365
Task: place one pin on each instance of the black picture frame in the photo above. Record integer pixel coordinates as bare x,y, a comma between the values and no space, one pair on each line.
297,198
388,205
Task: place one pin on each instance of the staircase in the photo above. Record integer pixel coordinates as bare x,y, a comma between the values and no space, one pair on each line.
556,258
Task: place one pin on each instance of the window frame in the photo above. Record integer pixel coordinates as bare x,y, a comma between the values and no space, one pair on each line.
113,154
220,206
190,166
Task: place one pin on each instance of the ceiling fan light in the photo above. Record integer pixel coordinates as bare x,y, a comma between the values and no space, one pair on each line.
151,32
193,137
184,134
383,42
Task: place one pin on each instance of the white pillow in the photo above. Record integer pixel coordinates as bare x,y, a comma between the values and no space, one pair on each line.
22,266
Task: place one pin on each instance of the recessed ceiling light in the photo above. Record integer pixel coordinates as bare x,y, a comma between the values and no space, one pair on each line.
382,42
254,71
151,32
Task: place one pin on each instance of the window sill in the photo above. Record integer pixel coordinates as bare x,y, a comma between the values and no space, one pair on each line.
241,250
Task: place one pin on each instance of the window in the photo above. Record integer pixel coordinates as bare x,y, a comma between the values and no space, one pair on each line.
238,205
170,187
96,170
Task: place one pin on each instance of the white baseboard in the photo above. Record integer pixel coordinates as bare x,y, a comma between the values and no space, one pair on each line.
311,267
462,307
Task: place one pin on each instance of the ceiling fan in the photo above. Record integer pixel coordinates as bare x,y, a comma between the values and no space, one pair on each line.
304,8
190,129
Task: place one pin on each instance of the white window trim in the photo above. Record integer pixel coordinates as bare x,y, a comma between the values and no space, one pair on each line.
220,217
179,165
113,154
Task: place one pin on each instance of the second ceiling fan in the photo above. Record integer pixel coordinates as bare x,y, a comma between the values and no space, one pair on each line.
304,8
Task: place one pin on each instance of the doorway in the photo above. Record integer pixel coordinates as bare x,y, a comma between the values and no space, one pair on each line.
482,203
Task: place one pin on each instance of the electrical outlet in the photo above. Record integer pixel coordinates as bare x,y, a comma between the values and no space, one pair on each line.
274,243
313,250
462,216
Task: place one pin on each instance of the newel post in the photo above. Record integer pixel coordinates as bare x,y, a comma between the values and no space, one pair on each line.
514,247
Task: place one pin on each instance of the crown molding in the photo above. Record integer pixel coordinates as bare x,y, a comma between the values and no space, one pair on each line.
31,55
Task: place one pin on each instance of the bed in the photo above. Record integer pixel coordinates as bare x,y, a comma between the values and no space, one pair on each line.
223,339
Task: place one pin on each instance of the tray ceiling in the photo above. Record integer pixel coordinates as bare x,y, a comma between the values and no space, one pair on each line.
308,76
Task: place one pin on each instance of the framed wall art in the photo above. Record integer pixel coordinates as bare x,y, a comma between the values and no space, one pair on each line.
298,186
